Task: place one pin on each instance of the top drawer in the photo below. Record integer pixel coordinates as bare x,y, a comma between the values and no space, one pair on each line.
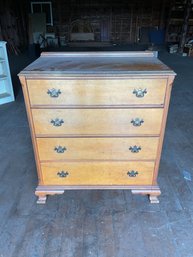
100,92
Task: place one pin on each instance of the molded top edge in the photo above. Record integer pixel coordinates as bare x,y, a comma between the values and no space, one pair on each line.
101,54
64,64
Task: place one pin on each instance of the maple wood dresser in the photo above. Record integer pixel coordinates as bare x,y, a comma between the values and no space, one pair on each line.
97,120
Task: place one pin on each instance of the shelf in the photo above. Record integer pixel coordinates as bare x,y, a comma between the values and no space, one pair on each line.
176,19
4,95
180,19
6,87
2,77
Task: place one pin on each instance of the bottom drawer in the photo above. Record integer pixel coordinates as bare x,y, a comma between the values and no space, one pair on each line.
98,173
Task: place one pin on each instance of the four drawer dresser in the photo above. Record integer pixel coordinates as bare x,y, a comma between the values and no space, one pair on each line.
97,120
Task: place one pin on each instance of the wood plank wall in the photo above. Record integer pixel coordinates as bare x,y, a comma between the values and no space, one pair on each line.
13,24
122,19
112,21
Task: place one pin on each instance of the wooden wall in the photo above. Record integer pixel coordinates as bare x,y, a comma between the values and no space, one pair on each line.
115,21
13,24
111,20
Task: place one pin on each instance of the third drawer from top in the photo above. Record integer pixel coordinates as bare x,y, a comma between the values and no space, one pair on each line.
132,148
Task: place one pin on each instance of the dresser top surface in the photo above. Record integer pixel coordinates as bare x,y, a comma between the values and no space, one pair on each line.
97,64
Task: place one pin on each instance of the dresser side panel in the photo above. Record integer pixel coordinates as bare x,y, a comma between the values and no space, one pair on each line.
163,126
31,126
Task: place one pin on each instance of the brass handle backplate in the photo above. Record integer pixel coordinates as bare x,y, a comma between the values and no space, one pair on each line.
54,92
140,92
137,122
63,174
57,122
60,149
132,173
135,149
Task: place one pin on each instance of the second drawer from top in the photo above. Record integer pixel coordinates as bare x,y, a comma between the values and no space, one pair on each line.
100,122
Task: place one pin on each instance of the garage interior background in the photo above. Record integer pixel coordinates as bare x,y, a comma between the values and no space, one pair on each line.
95,23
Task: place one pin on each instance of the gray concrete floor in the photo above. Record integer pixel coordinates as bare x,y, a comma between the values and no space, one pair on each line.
98,223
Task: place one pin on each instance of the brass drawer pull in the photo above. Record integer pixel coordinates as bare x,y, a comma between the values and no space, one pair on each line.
137,122
140,92
63,174
132,173
135,149
54,92
60,149
57,122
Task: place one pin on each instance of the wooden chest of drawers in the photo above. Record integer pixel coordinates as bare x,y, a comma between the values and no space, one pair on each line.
97,120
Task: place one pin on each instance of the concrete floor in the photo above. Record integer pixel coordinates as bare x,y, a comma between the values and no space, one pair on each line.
98,223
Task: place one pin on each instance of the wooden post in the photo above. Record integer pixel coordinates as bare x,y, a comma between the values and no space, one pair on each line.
162,15
185,25
172,3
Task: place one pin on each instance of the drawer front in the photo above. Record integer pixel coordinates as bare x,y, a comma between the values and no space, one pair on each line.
97,92
100,122
98,173
58,149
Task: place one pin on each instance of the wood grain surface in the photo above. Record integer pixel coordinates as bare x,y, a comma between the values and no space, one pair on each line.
97,148
106,63
97,121
96,107
97,92
97,173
